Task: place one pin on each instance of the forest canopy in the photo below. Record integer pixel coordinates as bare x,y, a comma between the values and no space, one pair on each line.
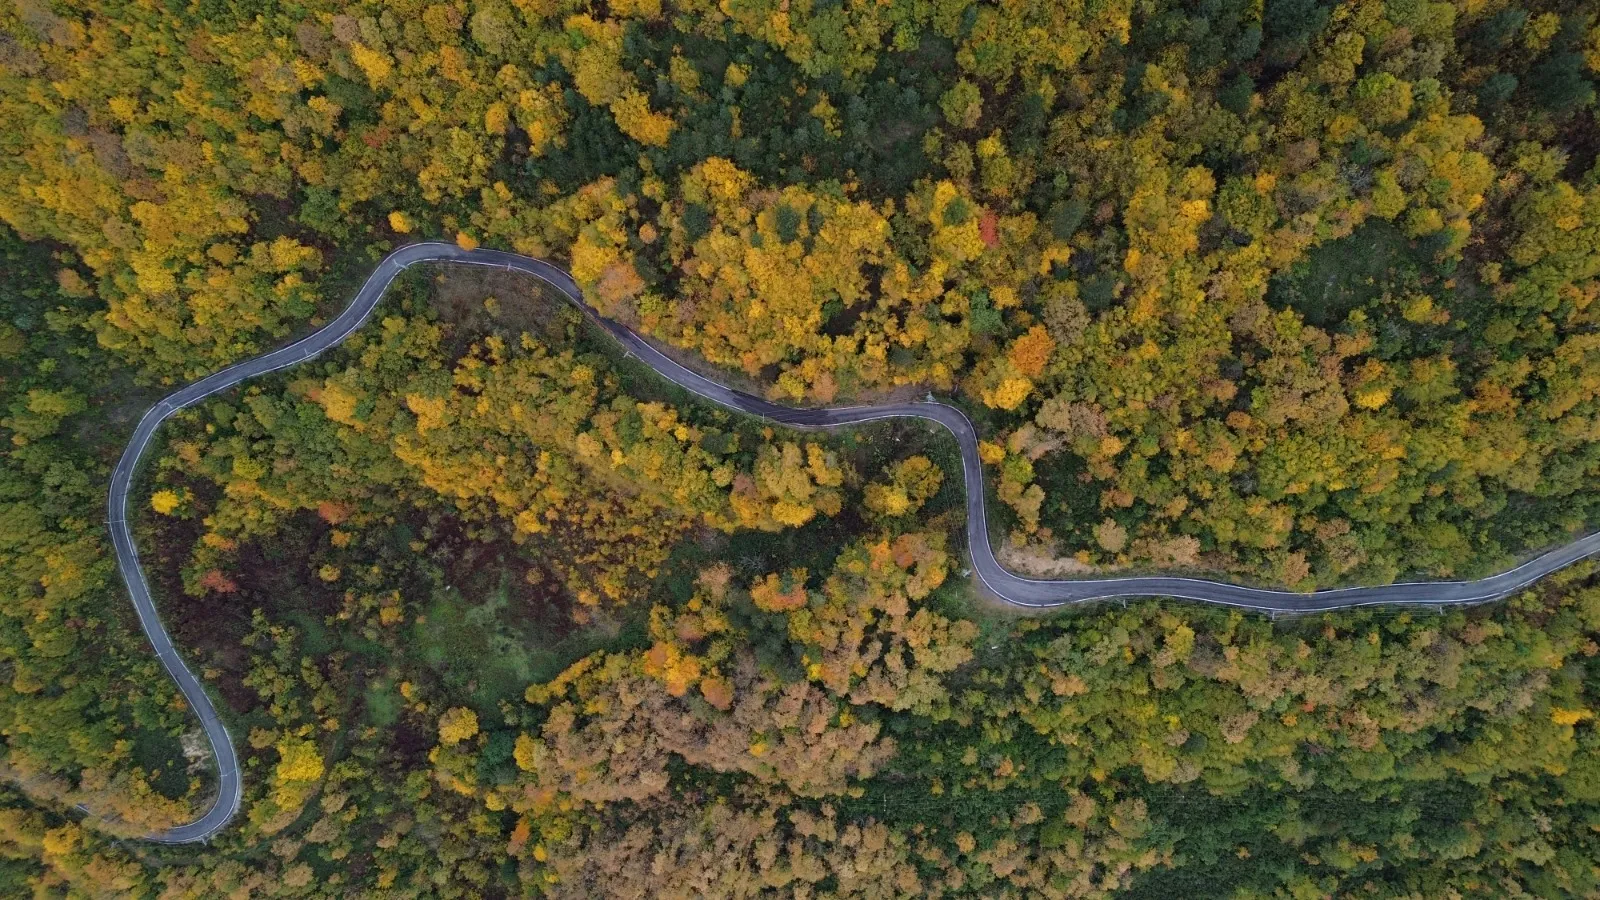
1295,292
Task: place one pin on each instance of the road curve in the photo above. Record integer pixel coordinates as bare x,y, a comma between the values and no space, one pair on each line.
1026,592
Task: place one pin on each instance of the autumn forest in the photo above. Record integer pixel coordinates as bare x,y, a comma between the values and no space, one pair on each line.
1295,293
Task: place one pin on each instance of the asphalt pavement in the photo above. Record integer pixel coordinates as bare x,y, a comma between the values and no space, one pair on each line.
1013,589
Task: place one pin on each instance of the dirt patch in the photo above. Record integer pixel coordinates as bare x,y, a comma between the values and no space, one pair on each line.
536,601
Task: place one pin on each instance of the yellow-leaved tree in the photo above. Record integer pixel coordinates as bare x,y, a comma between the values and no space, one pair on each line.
911,483
456,725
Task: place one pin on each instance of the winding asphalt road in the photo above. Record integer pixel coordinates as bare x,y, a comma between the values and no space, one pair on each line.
1011,588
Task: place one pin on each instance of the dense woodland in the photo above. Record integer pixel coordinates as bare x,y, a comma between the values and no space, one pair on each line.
1295,292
